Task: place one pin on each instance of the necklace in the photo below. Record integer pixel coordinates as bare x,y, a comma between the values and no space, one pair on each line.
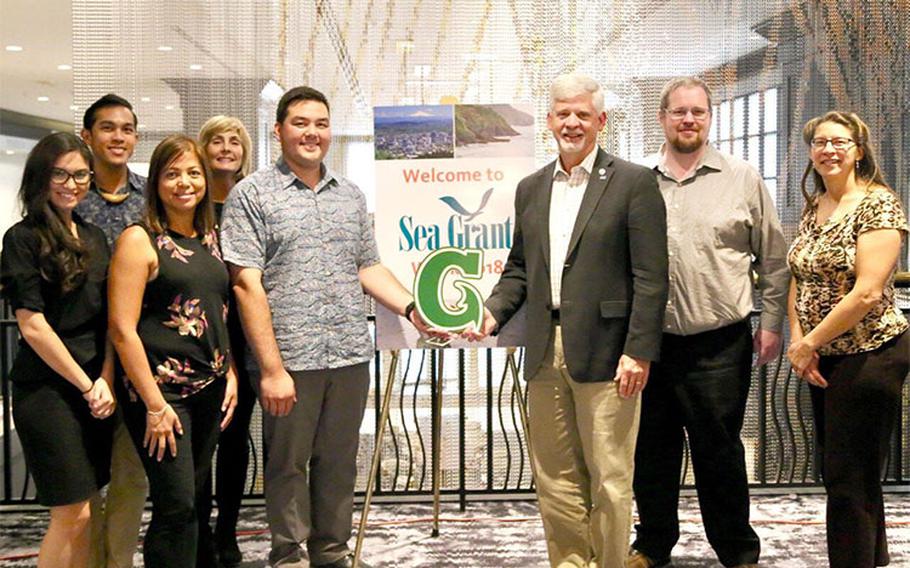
114,198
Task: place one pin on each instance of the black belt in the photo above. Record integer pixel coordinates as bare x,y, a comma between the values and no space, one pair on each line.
554,315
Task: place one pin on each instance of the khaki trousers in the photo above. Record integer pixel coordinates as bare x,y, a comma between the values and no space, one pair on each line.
583,448
116,519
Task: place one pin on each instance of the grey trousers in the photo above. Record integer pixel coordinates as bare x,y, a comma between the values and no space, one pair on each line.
311,466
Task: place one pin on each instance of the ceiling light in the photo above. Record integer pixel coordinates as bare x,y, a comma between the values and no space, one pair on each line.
195,67
146,99
14,48
10,152
140,126
165,48
168,107
74,107
64,67
43,99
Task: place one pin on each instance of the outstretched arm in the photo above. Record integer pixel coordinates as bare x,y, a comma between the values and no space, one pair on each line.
379,282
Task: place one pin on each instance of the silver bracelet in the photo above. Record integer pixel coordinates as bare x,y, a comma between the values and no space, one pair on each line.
158,413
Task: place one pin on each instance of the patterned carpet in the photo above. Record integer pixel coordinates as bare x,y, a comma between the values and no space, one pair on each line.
509,534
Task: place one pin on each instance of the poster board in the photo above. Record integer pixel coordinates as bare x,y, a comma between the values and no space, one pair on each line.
446,177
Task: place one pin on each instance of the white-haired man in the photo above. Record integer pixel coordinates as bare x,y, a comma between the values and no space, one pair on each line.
590,261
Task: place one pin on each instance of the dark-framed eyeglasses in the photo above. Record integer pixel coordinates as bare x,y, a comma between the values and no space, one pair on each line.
698,113
836,143
61,176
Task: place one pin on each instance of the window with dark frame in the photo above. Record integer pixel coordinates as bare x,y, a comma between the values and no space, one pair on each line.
746,127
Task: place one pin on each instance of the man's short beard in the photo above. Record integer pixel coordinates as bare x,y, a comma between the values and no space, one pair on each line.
687,147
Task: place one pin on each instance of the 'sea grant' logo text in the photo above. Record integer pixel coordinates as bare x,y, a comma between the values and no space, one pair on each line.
459,231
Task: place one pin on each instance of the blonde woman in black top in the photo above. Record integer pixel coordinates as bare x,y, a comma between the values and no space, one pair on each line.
227,147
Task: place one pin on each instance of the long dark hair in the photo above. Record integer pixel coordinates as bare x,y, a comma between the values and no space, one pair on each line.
63,258
867,170
168,150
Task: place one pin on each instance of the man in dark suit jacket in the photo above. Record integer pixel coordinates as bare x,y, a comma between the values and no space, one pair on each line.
589,258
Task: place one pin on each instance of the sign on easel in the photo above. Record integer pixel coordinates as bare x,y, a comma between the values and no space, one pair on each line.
445,187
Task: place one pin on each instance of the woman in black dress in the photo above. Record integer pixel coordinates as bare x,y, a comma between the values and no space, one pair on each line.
227,148
53,270
169,302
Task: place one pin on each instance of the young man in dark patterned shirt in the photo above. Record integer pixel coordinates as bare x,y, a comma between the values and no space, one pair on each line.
116,199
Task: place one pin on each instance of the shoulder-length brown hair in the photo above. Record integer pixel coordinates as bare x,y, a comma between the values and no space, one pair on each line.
169,150
867,170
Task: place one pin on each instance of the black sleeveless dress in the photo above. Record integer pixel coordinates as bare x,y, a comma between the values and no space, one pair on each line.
183,323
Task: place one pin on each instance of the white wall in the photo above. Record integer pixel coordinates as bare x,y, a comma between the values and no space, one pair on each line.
10,176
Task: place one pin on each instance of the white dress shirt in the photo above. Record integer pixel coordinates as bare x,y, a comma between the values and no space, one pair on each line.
565,200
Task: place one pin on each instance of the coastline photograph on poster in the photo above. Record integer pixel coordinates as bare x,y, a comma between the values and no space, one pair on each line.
428,202
487,131
413,132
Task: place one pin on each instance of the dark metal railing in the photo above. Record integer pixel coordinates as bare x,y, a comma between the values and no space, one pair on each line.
484,452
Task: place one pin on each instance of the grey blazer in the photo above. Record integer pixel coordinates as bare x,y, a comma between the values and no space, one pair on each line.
614,280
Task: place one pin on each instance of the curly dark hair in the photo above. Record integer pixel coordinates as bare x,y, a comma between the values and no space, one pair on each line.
867,170
63,258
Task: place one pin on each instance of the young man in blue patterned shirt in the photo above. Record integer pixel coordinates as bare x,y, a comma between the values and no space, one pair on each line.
116,199
302,253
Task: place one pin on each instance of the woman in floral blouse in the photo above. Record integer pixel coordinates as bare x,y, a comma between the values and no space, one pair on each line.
168,298
848,337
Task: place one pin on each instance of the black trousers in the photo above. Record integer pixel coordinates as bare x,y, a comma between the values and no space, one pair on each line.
230,470
170,541
854,419
700,386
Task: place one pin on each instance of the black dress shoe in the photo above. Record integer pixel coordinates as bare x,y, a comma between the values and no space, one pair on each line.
343,562
229,554
228,551
205,550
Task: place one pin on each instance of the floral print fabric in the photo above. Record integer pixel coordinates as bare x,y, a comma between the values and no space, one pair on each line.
184,312
823,259
188,317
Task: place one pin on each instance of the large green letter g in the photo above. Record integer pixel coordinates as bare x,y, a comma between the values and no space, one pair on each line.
428,289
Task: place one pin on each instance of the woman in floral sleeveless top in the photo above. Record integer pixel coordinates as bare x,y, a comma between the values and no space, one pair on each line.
168,321
848,338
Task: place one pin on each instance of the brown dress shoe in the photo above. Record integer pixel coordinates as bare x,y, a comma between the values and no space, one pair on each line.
637,559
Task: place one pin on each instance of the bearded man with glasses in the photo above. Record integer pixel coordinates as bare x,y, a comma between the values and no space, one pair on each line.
721,226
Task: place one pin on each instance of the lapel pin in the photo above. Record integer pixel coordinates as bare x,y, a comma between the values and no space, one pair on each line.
602,172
